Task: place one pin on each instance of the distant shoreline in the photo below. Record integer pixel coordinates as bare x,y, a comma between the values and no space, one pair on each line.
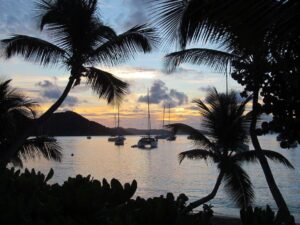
71,124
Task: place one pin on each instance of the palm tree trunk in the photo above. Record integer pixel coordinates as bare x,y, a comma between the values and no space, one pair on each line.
281,204
207,198
12,150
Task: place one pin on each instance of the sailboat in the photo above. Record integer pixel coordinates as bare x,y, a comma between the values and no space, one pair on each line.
172,136
162,136
148,142
119,140
113,137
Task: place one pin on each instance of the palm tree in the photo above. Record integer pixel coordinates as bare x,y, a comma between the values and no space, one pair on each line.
243,30
224,142
16,111
80,40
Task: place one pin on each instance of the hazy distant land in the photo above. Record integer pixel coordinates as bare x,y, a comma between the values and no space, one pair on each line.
72,124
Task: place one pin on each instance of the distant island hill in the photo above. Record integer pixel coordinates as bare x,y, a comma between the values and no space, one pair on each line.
72,124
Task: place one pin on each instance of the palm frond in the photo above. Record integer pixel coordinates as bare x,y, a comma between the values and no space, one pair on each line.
15,110
46,147
56,14
203,108
74,25
238,184
15,102
186,20
33,49
196,154
106,85
16,114
197,136
252,156
223,117
103,34
241,109
125,46
215,21
218,60
167,15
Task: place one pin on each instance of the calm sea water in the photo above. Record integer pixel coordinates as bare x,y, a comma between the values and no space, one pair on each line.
158,171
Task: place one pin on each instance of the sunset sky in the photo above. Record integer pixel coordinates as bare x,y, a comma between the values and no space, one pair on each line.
44,84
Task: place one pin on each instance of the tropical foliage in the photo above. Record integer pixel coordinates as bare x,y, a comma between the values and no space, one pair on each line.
260,43
255,38
27,198
16,112
80,40
224,141
259,216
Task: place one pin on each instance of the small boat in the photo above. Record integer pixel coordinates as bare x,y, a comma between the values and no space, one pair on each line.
119,140
111,139
88,137
171,136
148,142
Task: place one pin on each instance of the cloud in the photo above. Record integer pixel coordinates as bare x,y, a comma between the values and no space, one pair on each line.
17,16
205,89
160,93
134,73
50,91
45,84
180,96
138,11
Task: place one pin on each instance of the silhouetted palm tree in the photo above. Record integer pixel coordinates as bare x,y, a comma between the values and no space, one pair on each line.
223,141
242,29
80,41
16,111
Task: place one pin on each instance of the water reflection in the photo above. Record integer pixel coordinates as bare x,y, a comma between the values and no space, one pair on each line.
158,171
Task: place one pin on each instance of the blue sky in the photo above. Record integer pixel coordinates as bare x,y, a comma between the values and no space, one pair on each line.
142,73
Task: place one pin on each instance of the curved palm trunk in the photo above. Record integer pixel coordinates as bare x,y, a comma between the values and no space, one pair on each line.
281,204
207,198
22,138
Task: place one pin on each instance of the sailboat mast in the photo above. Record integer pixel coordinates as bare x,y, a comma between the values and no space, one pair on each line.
169,113
118,121
163,123
118,116
149,118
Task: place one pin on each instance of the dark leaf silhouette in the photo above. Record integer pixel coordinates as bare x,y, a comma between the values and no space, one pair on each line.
106,85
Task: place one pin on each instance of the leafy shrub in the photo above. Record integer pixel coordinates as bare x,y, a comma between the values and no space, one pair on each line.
260,216
27,199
